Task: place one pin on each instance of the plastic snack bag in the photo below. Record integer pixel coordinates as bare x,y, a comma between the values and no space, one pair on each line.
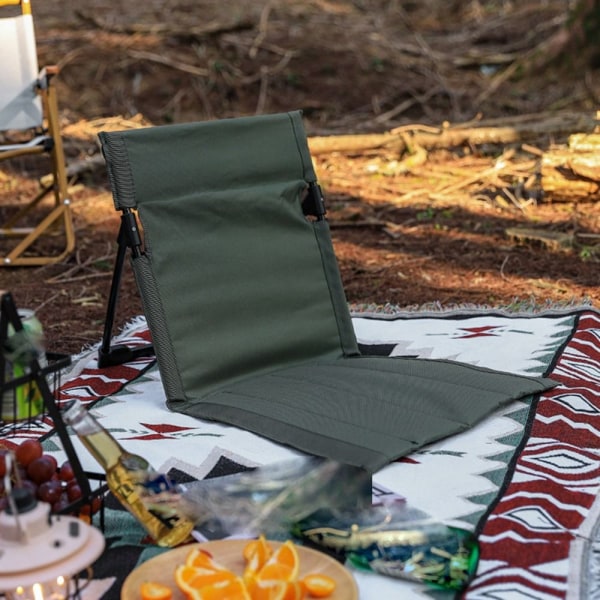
395,540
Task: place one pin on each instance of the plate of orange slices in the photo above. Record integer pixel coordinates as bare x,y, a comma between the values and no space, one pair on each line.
257,569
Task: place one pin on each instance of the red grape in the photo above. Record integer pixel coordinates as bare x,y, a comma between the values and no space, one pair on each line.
28,451
92,508
66,473
52,459
41,469
50,491
74,492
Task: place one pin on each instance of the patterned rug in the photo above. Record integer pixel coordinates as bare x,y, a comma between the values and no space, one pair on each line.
526,479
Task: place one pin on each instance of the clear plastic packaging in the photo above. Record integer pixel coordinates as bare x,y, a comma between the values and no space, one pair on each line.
267,500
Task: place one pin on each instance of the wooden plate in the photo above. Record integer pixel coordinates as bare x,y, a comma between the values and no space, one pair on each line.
229,553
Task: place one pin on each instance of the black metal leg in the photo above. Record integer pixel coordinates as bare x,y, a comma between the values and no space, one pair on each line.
117,355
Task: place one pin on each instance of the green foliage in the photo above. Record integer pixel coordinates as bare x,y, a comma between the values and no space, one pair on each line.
378,64
587,253
426,215
429,213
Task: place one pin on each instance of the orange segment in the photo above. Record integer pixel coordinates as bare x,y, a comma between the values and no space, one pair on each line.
319,585
283,565
294,591
189,579
233,589
256,553
201,559
275,572
260,546
251,585
278,590
152,590
269,590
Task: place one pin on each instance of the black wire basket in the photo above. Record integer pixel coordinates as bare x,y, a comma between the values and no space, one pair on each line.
31,409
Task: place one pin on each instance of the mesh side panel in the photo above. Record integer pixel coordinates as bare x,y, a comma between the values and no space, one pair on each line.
154,312
302,145
336,290
120,176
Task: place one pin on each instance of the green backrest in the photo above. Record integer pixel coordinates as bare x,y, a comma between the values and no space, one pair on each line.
235,279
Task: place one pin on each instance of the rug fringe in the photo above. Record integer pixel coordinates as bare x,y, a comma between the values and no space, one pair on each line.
518,307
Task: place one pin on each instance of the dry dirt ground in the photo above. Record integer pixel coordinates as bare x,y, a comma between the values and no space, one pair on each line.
412,224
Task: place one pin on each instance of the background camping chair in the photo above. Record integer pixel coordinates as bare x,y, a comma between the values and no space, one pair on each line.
243,297
28,108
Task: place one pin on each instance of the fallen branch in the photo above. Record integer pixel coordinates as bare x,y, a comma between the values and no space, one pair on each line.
167,29
554,240
572,172
76,168
527,129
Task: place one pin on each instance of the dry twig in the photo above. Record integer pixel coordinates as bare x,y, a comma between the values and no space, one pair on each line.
67,276
164,60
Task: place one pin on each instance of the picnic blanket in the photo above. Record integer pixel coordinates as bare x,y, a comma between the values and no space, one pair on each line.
526,479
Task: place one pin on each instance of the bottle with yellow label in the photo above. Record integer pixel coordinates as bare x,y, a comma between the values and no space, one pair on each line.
128,476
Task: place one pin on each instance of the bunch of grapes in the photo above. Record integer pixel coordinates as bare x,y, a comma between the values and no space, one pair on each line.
47,481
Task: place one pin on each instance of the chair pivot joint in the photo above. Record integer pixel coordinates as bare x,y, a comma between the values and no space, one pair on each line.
313,203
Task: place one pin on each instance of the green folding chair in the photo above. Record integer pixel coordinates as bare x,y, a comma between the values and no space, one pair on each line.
244,301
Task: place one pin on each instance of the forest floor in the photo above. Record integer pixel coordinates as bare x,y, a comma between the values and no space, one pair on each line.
415,222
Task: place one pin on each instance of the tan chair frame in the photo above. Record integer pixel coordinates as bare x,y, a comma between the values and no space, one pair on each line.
58,186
